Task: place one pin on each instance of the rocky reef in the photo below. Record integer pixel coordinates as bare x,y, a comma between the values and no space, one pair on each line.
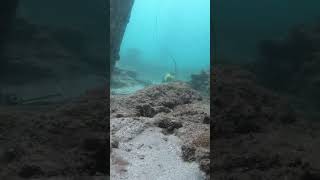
158,128
63,139
257,133
291,64
201,82
41,51
126,81
59,141
74,37
69,17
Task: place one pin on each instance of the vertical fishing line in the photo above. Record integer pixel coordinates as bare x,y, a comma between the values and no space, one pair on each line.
156,39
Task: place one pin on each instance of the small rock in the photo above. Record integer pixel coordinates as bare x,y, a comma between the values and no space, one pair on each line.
146,110
119,115
206,120
205,165
188,152
202,153
169,125
140,146
140,156
115,144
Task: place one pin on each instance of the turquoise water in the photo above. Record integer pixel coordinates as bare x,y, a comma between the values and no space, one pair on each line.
161,31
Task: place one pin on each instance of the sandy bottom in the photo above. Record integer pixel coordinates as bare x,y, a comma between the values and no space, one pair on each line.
152,155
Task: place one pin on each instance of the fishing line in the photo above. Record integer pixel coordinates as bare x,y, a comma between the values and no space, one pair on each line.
156,39
175,65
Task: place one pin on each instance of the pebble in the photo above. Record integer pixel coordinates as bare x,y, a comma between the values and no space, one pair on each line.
140,146
140,156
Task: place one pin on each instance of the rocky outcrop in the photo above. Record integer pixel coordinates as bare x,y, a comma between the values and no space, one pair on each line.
257,135
201,82
152,123
68,140
87,18
291,64
42,54
124,78
35,51
119,17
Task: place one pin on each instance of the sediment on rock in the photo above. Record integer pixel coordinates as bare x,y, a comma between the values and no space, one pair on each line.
176,108
63,140
248,115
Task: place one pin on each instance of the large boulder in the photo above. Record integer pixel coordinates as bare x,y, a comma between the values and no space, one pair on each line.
92,24
119,18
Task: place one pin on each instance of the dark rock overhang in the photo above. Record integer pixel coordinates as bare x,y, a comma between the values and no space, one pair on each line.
119,18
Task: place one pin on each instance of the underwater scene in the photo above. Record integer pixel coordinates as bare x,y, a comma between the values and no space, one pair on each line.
63,63
265,90
53,115
160,86
163,42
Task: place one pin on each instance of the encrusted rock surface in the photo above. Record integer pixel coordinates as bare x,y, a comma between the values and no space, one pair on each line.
173,111
55,141
257,135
